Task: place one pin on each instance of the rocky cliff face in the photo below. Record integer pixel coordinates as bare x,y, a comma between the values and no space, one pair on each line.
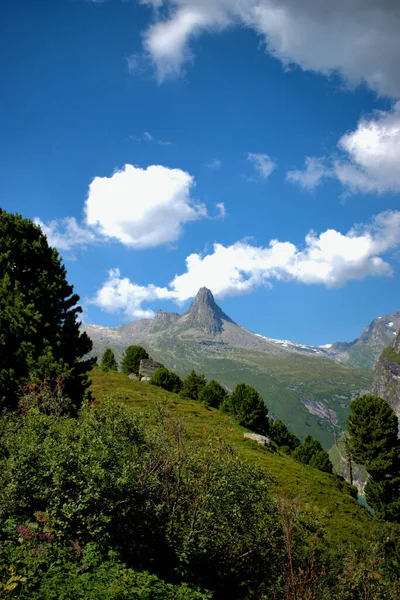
205,315
365,350
386,382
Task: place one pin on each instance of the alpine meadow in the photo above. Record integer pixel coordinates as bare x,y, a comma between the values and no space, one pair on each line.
199,300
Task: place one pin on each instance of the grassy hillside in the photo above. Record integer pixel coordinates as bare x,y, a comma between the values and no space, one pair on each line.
297,389
325,495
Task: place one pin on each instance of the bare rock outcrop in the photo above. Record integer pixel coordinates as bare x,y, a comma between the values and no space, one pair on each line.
386,382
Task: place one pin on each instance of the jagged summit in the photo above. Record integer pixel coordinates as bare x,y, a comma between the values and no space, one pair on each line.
205,314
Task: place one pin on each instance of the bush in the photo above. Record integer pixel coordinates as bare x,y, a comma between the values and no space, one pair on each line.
167,380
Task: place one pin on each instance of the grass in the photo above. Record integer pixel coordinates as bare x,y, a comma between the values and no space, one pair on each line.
327,496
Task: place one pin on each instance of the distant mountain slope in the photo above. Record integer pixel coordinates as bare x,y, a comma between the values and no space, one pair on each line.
299,384
387,375
365,350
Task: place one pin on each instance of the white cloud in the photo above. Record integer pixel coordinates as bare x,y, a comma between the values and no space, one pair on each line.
369,158
373,154
148,137
357,38
262,163
120,294
66,233
142,207
139,208
330,258
315,171
215,163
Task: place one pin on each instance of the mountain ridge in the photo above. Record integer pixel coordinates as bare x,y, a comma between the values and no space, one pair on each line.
302,385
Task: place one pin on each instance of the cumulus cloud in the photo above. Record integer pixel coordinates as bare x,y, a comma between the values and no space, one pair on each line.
330,258
262,163
357,38
139,208
369,159
314,172
373,154
66,233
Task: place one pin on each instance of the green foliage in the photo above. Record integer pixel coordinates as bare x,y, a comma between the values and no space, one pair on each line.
108,362
310,452
373,429
190,511
193,385
213,394
39,331
39,569
279,433
131,359
167,380
247,407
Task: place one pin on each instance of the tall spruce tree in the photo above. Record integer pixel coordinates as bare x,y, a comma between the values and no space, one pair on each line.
193,385
39,331
373,429
108,362
131,359
247,406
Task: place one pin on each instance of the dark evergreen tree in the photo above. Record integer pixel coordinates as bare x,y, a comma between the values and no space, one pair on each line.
310,452
279,433
131,359
39,331
108,362
193,385
373,428
247,407
213,394
169,381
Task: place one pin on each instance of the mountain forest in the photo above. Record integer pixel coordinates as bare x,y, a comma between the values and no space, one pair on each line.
243,467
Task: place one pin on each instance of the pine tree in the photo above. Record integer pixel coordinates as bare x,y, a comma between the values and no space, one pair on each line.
39,331
193,385
131,359
310,452
213,394
247,407
167,380
108,362
373,428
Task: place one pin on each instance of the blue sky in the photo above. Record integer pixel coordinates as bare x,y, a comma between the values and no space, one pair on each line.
166,145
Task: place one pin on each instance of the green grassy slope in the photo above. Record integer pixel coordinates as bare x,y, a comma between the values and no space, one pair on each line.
326,495
286,382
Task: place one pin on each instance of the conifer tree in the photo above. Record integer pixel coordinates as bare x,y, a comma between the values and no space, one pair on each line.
247,406
193,385
39,331
373,429
213,394
131,359
108,362
167,380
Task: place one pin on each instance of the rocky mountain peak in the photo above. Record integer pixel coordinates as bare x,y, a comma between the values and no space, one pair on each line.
205,314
